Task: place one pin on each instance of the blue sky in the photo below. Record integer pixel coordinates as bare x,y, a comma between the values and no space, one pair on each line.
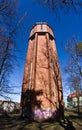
65,26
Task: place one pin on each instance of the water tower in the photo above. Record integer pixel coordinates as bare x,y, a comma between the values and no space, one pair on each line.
42,95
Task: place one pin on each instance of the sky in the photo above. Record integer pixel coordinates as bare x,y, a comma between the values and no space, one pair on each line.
64,26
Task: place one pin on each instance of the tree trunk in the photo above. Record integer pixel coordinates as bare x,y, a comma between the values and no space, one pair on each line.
78,104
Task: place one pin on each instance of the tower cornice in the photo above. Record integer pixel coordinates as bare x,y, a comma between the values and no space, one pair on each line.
41,28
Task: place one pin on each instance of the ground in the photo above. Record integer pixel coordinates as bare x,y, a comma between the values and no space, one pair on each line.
12,121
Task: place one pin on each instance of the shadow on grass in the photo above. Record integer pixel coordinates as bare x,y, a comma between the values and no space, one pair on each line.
14,122
77,118
68,125
59,125
8,122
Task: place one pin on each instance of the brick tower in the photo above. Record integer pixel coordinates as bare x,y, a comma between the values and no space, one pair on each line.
42,88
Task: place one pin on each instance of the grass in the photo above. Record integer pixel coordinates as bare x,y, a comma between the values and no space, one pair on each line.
12,121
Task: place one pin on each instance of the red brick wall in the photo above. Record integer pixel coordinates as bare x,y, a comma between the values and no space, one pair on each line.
42,87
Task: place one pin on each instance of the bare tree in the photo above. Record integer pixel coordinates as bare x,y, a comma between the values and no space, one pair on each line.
75,54
74,67
8,26
65,6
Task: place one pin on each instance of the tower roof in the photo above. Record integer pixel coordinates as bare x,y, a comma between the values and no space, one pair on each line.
42,23
41,27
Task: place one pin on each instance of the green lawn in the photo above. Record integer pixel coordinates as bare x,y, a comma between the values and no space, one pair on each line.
73,121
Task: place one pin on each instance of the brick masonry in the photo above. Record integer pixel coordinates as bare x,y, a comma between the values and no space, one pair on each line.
42,95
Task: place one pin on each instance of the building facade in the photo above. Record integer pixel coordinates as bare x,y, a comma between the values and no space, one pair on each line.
72,100
42,95
8,106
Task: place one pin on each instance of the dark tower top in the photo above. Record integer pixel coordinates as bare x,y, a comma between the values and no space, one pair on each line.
41,28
